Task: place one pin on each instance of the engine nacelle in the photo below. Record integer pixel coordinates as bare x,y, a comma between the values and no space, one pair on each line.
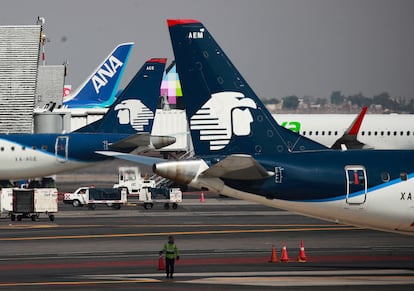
182,172
159,142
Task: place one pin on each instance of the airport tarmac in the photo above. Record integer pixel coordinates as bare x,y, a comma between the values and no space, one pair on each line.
225,244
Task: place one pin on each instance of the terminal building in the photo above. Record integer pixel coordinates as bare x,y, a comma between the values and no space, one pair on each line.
26,81
19,57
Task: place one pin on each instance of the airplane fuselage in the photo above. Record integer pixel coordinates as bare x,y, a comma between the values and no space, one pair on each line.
350,187
29,156
379,131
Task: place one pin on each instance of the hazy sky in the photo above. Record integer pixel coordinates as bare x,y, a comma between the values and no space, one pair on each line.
281,47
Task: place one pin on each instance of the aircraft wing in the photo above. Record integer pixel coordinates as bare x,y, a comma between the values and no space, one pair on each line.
132,141
350,137
143,160
238,167
143,139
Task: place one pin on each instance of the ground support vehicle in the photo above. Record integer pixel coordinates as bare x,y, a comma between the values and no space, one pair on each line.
149,196
91,196
145,190
29,203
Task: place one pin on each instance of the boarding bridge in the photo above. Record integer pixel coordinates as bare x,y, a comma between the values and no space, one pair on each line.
19,59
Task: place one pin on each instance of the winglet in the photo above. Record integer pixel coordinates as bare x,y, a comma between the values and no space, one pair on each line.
350,137
356,125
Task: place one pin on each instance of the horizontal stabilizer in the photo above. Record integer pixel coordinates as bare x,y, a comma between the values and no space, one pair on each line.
132,141
143,160
143,139
238,167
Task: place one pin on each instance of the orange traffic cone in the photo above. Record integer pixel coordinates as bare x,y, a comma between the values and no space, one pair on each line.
161,264
202,197
284,257
302,256
273,258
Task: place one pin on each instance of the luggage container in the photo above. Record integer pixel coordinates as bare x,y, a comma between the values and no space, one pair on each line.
30,203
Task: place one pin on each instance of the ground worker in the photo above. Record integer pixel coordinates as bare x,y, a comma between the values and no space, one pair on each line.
171,253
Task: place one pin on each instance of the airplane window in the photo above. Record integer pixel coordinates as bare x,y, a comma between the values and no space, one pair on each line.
408,133
385,176
329,132
401,133
12,148
336,133
369,133
34,147
363,133
2,149
310,132
403,176
388,132
23,148
395,133
382,133
44,147
304,133
316,132
323,132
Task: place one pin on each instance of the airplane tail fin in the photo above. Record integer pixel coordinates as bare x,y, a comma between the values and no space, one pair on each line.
100,88
225,115
134,109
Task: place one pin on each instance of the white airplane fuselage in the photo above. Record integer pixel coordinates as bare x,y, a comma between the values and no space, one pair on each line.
378,131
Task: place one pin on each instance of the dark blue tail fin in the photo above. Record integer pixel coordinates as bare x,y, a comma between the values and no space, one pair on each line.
225,115
100,88
134,109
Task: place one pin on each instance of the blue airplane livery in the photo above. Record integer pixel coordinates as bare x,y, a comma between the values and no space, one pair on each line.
242,152
125,127
100,88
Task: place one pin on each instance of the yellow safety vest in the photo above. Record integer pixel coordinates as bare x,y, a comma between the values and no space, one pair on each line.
171,251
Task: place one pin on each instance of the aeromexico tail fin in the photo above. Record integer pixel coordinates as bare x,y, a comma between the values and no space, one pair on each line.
350,137
225,114
134,109
100,88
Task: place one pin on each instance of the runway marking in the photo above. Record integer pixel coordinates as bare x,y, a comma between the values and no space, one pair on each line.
54,225
277,278
308,281
285,278
28,226
88,236
76,283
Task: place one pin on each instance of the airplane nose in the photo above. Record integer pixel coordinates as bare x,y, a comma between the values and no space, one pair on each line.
162,141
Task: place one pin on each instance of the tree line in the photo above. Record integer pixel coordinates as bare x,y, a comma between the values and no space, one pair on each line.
337,98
